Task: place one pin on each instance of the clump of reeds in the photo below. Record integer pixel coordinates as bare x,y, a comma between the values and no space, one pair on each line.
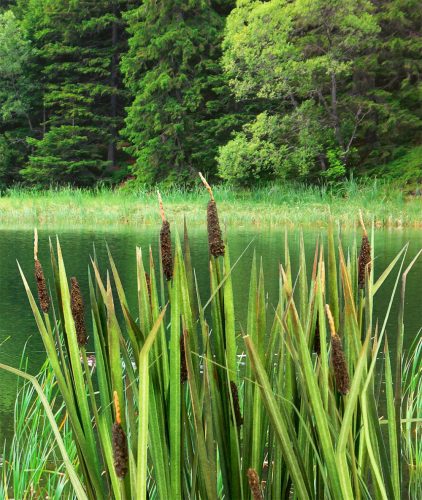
43,297
341,373
254,484
165,243
119,442
364,261
215,239
77,308
236,404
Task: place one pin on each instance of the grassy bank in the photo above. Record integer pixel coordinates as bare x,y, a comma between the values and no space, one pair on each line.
277,205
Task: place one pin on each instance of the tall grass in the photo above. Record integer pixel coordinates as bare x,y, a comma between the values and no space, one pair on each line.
269,205
189,401
32,464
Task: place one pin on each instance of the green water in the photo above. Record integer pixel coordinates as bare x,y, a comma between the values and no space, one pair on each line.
18,329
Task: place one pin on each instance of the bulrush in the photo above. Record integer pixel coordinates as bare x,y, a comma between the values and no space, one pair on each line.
165,243
364,261
77,307
236,405
254,485
183,366
338,360
43,296
317,338
119,443
215,239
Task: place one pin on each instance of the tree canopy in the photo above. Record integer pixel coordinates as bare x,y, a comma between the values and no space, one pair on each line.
245,91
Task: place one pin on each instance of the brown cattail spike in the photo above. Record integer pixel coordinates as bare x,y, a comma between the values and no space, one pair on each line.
77,307
119,442
183,365
341,373
236,404
364,262
317,338
43,296
148,280
166,256
254,485
215,240
120,451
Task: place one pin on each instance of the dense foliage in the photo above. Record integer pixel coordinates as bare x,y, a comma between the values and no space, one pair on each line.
247,90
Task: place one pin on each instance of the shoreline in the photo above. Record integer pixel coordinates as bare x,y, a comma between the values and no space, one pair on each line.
271,208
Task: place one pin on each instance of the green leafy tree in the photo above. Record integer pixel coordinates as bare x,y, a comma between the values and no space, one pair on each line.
310,61
77,46
182,109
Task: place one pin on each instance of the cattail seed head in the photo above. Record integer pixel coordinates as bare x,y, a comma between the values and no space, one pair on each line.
364,261
120,451
77,308
317,338
148,280
254,485
183,365
43,296
119,442
338,360
166,256
236,404
215,240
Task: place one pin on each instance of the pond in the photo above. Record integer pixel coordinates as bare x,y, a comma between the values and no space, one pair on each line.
18,332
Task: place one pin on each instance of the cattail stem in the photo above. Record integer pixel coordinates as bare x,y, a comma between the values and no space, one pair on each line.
35,244
160,203
362,224
205,182
117,407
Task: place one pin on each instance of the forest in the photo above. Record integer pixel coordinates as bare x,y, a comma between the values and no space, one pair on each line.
150,92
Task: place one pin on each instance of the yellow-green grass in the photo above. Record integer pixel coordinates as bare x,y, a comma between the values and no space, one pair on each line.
266,206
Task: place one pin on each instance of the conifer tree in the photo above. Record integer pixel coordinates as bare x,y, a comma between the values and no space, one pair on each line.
182,109
77,45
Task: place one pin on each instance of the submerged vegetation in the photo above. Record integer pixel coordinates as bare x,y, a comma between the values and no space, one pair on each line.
187,400
267,205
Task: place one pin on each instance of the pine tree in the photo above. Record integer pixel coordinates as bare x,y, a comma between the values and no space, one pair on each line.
182,109
77,45
17,95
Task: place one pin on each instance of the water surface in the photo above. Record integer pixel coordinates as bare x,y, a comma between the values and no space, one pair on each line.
18,330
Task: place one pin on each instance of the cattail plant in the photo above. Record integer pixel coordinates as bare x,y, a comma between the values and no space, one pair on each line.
341,373
215,239
165,243
254,484
364,262
119,442
183,440
43,297
77,308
